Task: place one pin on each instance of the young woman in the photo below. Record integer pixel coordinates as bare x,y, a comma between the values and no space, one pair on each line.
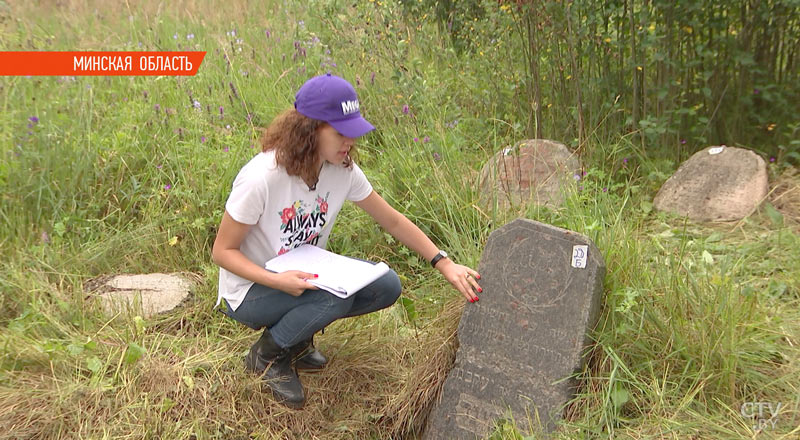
288,195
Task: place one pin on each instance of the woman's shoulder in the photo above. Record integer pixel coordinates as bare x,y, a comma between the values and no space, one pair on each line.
258,168
263,162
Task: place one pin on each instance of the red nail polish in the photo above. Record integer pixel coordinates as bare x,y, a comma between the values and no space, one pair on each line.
477,299
480,290
316,275
478,277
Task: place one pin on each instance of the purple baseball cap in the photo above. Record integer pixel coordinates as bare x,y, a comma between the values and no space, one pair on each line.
332,99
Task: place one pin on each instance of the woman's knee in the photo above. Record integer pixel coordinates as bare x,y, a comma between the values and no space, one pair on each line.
391,286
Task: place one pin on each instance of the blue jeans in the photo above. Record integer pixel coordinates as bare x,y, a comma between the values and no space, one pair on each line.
293,319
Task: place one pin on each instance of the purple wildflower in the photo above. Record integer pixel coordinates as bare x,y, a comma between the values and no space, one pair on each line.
772,159
175,37
683,141
426,139
436,156
405,109
158,166
45,237
267,33
249,117
605,189
625,161
167,187
190,37
756,91
33,119
416,139
157,108
145,94
226,149
221,110
372,78
202,139
197,104
577,177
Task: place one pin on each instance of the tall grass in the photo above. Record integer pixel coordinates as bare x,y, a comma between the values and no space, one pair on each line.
119,175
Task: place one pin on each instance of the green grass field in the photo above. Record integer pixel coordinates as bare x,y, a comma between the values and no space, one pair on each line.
106,175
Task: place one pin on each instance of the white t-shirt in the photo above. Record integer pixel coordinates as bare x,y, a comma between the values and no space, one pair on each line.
284,213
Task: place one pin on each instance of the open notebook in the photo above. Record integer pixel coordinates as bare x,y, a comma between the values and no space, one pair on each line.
338,275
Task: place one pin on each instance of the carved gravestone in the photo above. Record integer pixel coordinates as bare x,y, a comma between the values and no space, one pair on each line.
716,184
542,287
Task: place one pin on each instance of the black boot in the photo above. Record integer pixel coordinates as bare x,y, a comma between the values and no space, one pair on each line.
275,363
307,357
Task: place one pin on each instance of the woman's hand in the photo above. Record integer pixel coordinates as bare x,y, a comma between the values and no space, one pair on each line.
461,277
294,282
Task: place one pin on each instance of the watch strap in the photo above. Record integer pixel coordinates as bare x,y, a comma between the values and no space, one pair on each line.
436,259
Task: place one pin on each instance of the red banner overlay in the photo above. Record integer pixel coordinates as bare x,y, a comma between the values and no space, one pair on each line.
100,63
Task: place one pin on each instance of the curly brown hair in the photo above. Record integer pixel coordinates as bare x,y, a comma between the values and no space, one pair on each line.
293,136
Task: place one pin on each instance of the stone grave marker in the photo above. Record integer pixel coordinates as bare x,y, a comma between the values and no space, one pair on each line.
540,171
716,184
542,287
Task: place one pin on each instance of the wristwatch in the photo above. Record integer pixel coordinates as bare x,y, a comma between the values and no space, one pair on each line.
439,256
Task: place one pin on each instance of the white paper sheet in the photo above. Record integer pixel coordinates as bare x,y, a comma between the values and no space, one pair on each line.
339,275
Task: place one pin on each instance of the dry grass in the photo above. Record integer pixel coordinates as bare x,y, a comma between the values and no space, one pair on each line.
382,377
785,197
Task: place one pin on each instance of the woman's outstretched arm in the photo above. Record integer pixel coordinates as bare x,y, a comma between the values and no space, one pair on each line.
463,278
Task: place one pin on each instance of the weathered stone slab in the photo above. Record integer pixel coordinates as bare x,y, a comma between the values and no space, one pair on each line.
153,292
536,170
542,288
716,184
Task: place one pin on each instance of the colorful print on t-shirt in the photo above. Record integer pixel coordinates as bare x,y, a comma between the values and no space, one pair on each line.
298,226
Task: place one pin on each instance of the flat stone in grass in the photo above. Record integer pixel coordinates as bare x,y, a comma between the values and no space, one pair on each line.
154,292
715,184
519,344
